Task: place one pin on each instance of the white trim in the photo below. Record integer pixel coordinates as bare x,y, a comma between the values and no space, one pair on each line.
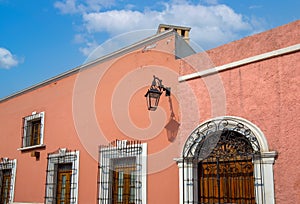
263,168
13,178
144,172
187,187
106,155
242,62
180,173
25,203
27,119
75,166
31,147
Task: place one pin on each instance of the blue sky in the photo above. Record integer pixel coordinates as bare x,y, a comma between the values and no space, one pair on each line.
41,39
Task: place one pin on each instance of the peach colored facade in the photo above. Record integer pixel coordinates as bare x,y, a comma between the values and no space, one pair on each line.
100,102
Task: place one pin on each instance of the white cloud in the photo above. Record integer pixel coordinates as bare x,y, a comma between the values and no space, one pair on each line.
212,24
88,48
82,6
255,6
68,6
114,22
79,38
211,1
7,60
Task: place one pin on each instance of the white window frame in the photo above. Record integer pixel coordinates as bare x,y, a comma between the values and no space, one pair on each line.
107,158
263,169
5,162
62,152
27,120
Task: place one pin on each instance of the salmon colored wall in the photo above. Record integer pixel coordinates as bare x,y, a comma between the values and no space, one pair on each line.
138,68
66,120
55,100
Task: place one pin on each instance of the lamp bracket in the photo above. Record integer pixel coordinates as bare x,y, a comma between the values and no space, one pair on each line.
157,84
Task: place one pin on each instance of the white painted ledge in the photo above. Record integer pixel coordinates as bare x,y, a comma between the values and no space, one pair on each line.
242,62
25,203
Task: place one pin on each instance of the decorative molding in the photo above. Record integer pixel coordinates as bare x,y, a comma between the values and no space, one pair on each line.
61,156
241,125
32,147
6,163
256,58
28,120
25,203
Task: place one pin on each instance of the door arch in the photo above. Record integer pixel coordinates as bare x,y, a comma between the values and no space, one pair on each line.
226,160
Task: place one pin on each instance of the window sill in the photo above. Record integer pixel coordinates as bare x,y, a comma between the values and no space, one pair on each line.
32,147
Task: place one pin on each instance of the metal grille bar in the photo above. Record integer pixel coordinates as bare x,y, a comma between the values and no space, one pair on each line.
7,170
33,130
222,164
120,172
56,161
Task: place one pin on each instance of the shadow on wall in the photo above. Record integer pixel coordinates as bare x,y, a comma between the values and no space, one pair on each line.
173,125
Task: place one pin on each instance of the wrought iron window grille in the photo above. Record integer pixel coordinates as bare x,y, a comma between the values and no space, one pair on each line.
120,172
33,130
7,179
62,162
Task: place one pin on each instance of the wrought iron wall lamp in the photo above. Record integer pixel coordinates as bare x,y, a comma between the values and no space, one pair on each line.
154,92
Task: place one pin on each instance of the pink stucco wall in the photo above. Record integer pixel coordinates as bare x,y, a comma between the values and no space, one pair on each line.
265,93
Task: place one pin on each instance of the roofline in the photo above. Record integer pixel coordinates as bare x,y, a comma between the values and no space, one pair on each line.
75,70
174,27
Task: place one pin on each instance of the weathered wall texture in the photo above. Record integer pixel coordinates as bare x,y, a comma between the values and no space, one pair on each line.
265,93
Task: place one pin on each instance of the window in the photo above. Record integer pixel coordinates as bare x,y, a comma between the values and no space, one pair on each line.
122,173
124,180
33,130
7,180
62,177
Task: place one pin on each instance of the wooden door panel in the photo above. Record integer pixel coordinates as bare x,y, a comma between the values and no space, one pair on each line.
5,187
64,186
226,182
123,185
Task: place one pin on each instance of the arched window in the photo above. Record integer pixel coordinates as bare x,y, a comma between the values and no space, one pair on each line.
226,160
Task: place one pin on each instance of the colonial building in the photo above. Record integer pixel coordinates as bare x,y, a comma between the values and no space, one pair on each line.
156,122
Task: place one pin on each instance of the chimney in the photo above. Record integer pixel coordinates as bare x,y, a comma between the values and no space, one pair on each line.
181,30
